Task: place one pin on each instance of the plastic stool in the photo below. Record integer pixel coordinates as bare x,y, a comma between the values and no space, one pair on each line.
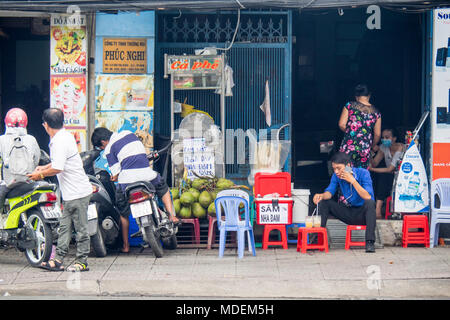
302,243
211,231
269,227
388,212
196,229
417,237
348,237
293,225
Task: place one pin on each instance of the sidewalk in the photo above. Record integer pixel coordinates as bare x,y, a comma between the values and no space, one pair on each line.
390,273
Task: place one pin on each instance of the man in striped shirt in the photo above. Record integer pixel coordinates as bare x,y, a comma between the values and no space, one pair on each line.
128,163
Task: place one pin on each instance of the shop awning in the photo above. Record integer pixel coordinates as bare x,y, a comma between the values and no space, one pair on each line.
98,5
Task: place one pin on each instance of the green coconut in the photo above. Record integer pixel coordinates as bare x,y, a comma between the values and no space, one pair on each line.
175,193
177,206
199,184
205,199
185,212
195,193
214,194
212,210
198,211
223,184
187,199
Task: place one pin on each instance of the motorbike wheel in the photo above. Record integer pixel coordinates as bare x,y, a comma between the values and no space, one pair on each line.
151,238
44,239
170,243
98,243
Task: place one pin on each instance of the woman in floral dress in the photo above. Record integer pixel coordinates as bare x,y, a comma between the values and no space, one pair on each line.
361,122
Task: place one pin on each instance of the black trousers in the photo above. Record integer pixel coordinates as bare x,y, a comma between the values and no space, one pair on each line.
364,215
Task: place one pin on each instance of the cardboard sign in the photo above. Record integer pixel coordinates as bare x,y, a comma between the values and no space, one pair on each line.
270,214
125,55
198,158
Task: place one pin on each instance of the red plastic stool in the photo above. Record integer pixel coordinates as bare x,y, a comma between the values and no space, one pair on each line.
211,231
269,227
302,242
196,229
415,237
348,237
388,212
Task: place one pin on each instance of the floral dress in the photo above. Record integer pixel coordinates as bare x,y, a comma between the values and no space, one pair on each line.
358,136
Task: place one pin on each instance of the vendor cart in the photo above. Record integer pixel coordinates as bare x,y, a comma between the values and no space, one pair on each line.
196,140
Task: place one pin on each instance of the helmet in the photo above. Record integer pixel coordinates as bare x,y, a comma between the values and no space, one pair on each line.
16,117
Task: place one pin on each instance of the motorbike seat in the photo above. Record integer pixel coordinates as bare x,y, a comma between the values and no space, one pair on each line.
21,188
146,184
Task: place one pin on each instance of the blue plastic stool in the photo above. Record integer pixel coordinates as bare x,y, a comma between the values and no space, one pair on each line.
293,225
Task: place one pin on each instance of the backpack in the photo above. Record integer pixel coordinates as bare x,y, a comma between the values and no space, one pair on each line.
19,161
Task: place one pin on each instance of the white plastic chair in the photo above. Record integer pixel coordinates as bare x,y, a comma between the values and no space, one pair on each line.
441,188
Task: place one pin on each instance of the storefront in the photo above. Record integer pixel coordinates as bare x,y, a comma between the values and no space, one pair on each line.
310,55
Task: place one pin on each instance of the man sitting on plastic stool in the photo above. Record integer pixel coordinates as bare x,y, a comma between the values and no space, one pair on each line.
357,205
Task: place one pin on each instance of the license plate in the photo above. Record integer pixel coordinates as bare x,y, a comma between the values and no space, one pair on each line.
140,209
92,212
53,212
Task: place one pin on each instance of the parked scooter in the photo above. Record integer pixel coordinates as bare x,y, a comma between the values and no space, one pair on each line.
30,214
103,217
153,221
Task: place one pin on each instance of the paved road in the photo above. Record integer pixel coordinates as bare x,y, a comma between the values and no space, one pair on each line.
390,273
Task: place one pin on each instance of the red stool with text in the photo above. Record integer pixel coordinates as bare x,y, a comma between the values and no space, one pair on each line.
267,229
322,237
348,237
415,237
196,229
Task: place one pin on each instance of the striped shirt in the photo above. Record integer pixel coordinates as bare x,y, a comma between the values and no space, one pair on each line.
126,157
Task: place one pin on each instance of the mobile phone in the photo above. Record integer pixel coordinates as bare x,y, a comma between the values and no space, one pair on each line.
349,169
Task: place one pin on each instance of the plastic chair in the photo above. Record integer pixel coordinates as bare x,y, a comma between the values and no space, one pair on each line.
439,188
223,193
230,206
348,237
388,212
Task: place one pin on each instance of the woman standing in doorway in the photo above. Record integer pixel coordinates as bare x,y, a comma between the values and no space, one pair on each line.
361,123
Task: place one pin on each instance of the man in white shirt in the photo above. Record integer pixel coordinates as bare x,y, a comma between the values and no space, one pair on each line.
75,187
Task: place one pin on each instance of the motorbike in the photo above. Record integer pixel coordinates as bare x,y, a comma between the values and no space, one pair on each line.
30,215
103,216
157,230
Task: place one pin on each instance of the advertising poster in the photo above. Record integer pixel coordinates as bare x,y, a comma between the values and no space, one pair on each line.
68,44
69,94
68,67
411,188
198,158
440,106
124,92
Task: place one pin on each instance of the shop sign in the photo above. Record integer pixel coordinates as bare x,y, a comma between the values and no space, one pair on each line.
183,64
271,214
125,55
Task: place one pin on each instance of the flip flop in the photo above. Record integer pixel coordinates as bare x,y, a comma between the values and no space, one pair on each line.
57,265
78,267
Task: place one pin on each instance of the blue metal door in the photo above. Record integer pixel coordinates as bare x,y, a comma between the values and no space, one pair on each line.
262,51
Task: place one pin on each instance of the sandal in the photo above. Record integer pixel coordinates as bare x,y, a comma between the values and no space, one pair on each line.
57,265
78,267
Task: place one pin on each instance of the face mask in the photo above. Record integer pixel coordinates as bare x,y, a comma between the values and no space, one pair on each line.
386,142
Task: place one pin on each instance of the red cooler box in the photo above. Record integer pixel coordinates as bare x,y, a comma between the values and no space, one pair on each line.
272,209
